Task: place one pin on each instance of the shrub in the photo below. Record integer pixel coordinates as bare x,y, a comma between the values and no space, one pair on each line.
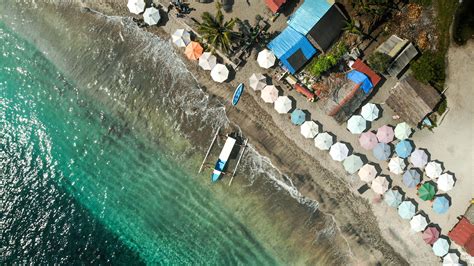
421,2
429,69
442,107
323,63
379,61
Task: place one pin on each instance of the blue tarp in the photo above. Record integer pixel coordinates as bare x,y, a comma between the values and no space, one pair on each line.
308,14
359,77
287,43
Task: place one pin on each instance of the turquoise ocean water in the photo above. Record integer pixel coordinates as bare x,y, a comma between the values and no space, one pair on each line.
96,169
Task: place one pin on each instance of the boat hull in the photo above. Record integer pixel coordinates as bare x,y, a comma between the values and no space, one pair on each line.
237,94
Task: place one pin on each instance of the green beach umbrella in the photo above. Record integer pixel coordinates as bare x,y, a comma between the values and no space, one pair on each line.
402,131
426,191
352,163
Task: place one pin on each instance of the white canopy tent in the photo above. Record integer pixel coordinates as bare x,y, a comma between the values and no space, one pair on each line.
207,61
380,185
283,104
151,16
418,223
266,59
370,112
309,129
181,38
339,151
219,73
397,165
257,81
323,141
136,6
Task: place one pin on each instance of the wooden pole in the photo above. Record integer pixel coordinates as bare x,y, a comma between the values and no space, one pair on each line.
209,149
238,161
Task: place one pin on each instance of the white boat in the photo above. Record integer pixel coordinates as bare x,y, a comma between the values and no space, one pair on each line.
223,158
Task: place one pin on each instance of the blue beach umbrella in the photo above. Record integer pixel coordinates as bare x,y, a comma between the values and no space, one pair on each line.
382,151
440,204
403,149
411,178
393,198
298,117
406,210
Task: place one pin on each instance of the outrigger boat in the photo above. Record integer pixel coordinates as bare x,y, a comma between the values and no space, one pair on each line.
223,158
237,93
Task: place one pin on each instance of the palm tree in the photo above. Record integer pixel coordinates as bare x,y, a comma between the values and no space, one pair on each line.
217,32
352,28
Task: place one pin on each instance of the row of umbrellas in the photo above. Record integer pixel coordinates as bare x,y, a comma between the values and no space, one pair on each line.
385,134
151,16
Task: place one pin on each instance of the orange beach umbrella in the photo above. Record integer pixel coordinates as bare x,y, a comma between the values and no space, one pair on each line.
193,50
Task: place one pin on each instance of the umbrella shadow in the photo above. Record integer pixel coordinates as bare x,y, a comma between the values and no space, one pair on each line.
389,180
400,190
418,170
441,163
334,137
320,126
362,157
293,103
414,202
377,166
423,213
307,115
447,197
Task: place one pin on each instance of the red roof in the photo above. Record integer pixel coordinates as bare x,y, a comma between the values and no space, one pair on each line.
360,66
274,5
463,235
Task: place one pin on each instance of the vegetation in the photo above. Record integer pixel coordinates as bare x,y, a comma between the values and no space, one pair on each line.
251,35
421,2
216,31
445,13
442,107
323,63
352,28
429,69
463,27
375,12
379,61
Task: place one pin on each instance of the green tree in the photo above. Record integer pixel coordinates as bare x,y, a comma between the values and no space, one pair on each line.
216,31
429,69
379,61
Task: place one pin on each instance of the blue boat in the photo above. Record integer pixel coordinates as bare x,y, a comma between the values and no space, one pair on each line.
238,93
223,158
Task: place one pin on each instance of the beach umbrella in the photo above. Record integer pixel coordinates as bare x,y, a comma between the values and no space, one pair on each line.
367,173
257,81
323,141
433,169
445,182
368,140
269,94
406,210
356,124
352,163
382,151
411,178
385,134
298,117
266,58
418,223
339,151
283,104
151,16
136,6
402,131
403,149
393,198
309,129
219,73
396,165
426,191
370,112
451,259
181,38
440,204
207,61
441,247
430,235
419,158
380,185
193,51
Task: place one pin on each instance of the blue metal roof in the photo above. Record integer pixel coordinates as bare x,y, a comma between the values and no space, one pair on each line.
308,14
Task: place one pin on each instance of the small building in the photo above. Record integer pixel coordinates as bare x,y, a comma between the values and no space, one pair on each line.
274,5
401,51
292,49
413,100
463,235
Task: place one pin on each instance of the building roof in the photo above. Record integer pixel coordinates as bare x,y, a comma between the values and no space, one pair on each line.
360,66
463,235
274,5
412,100
292,48
360,78
308,14
392,46
402,60
327,29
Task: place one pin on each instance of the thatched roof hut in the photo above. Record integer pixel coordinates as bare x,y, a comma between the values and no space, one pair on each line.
413,100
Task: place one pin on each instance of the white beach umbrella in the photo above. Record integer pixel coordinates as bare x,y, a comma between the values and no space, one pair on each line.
402,131
433,169
136,6
339,151
151,16
283,104
352,163
269,94
370,112
445,182
451,259
257,81
380,185
181,38
397,165
356,124
418,223
441,247
419,158
323,141
367,173
309,129
219,73
207,61
266,58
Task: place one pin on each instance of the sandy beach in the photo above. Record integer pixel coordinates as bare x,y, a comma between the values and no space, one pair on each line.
373,232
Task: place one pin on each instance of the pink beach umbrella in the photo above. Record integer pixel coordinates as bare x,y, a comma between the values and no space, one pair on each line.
385,134
368,140
430,235
269,94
